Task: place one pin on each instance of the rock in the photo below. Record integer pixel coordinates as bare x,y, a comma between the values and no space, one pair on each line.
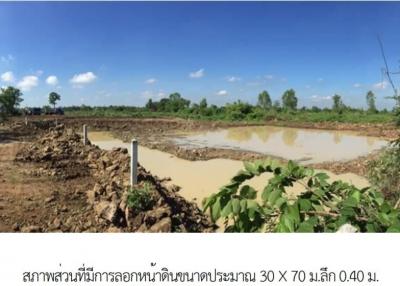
142,228
31,228
69,221
107,210
56,223
347,228
16,227
157,214
124,201
164,225
49,200
112,168
134,221
113,229
93,194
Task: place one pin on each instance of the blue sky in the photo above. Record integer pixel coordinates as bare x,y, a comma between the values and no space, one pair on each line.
125,53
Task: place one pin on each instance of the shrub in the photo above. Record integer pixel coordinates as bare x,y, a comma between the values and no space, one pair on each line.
322,207
141,198
384,172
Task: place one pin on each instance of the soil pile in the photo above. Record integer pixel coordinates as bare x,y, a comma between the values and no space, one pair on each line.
62,155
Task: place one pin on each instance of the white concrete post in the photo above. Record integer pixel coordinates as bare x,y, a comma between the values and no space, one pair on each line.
26,120
85,139
134,162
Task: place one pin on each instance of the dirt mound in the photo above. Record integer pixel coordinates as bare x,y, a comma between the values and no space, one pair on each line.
62,155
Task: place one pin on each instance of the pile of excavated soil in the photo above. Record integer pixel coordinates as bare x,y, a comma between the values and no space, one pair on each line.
60,154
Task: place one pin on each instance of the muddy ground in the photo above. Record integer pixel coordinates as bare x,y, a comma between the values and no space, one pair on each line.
43,193
157,134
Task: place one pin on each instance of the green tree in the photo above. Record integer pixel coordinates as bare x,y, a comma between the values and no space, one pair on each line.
150,105
264,100
276,105
371,101
10,99
53,98
337,103
176,103
289,99
203,104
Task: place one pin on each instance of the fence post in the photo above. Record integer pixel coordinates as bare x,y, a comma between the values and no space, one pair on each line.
134,162
26,120
85,139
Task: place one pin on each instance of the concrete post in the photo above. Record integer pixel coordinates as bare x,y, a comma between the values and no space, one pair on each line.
26,120
85,138
134,162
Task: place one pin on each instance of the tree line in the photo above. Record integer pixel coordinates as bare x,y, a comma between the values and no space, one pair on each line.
11,98
289,102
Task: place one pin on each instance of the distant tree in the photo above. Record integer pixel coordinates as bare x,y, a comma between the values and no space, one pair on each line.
238,110
46,109
371,101
337,103
150,105
203,104
176,103
2,112
289,99
264,100
10,99
276,104
53,98
315,109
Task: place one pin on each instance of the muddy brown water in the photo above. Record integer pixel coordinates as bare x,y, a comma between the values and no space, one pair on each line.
199,179
303,145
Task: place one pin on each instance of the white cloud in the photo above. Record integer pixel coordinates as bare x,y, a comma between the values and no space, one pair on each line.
39,72
151,81
233,79
28,82
308,86
269,76
197,74
7,59
357,85
222,92
52,80
381,85
7,77
79,80
320,79
153,95
318,98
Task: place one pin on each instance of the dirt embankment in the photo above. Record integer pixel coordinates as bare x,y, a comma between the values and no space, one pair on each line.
91,191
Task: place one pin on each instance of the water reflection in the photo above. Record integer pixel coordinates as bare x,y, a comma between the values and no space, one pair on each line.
289,143
289,136
337,137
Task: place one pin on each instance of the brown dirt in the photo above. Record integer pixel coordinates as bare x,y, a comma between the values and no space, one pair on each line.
55,183
36,203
